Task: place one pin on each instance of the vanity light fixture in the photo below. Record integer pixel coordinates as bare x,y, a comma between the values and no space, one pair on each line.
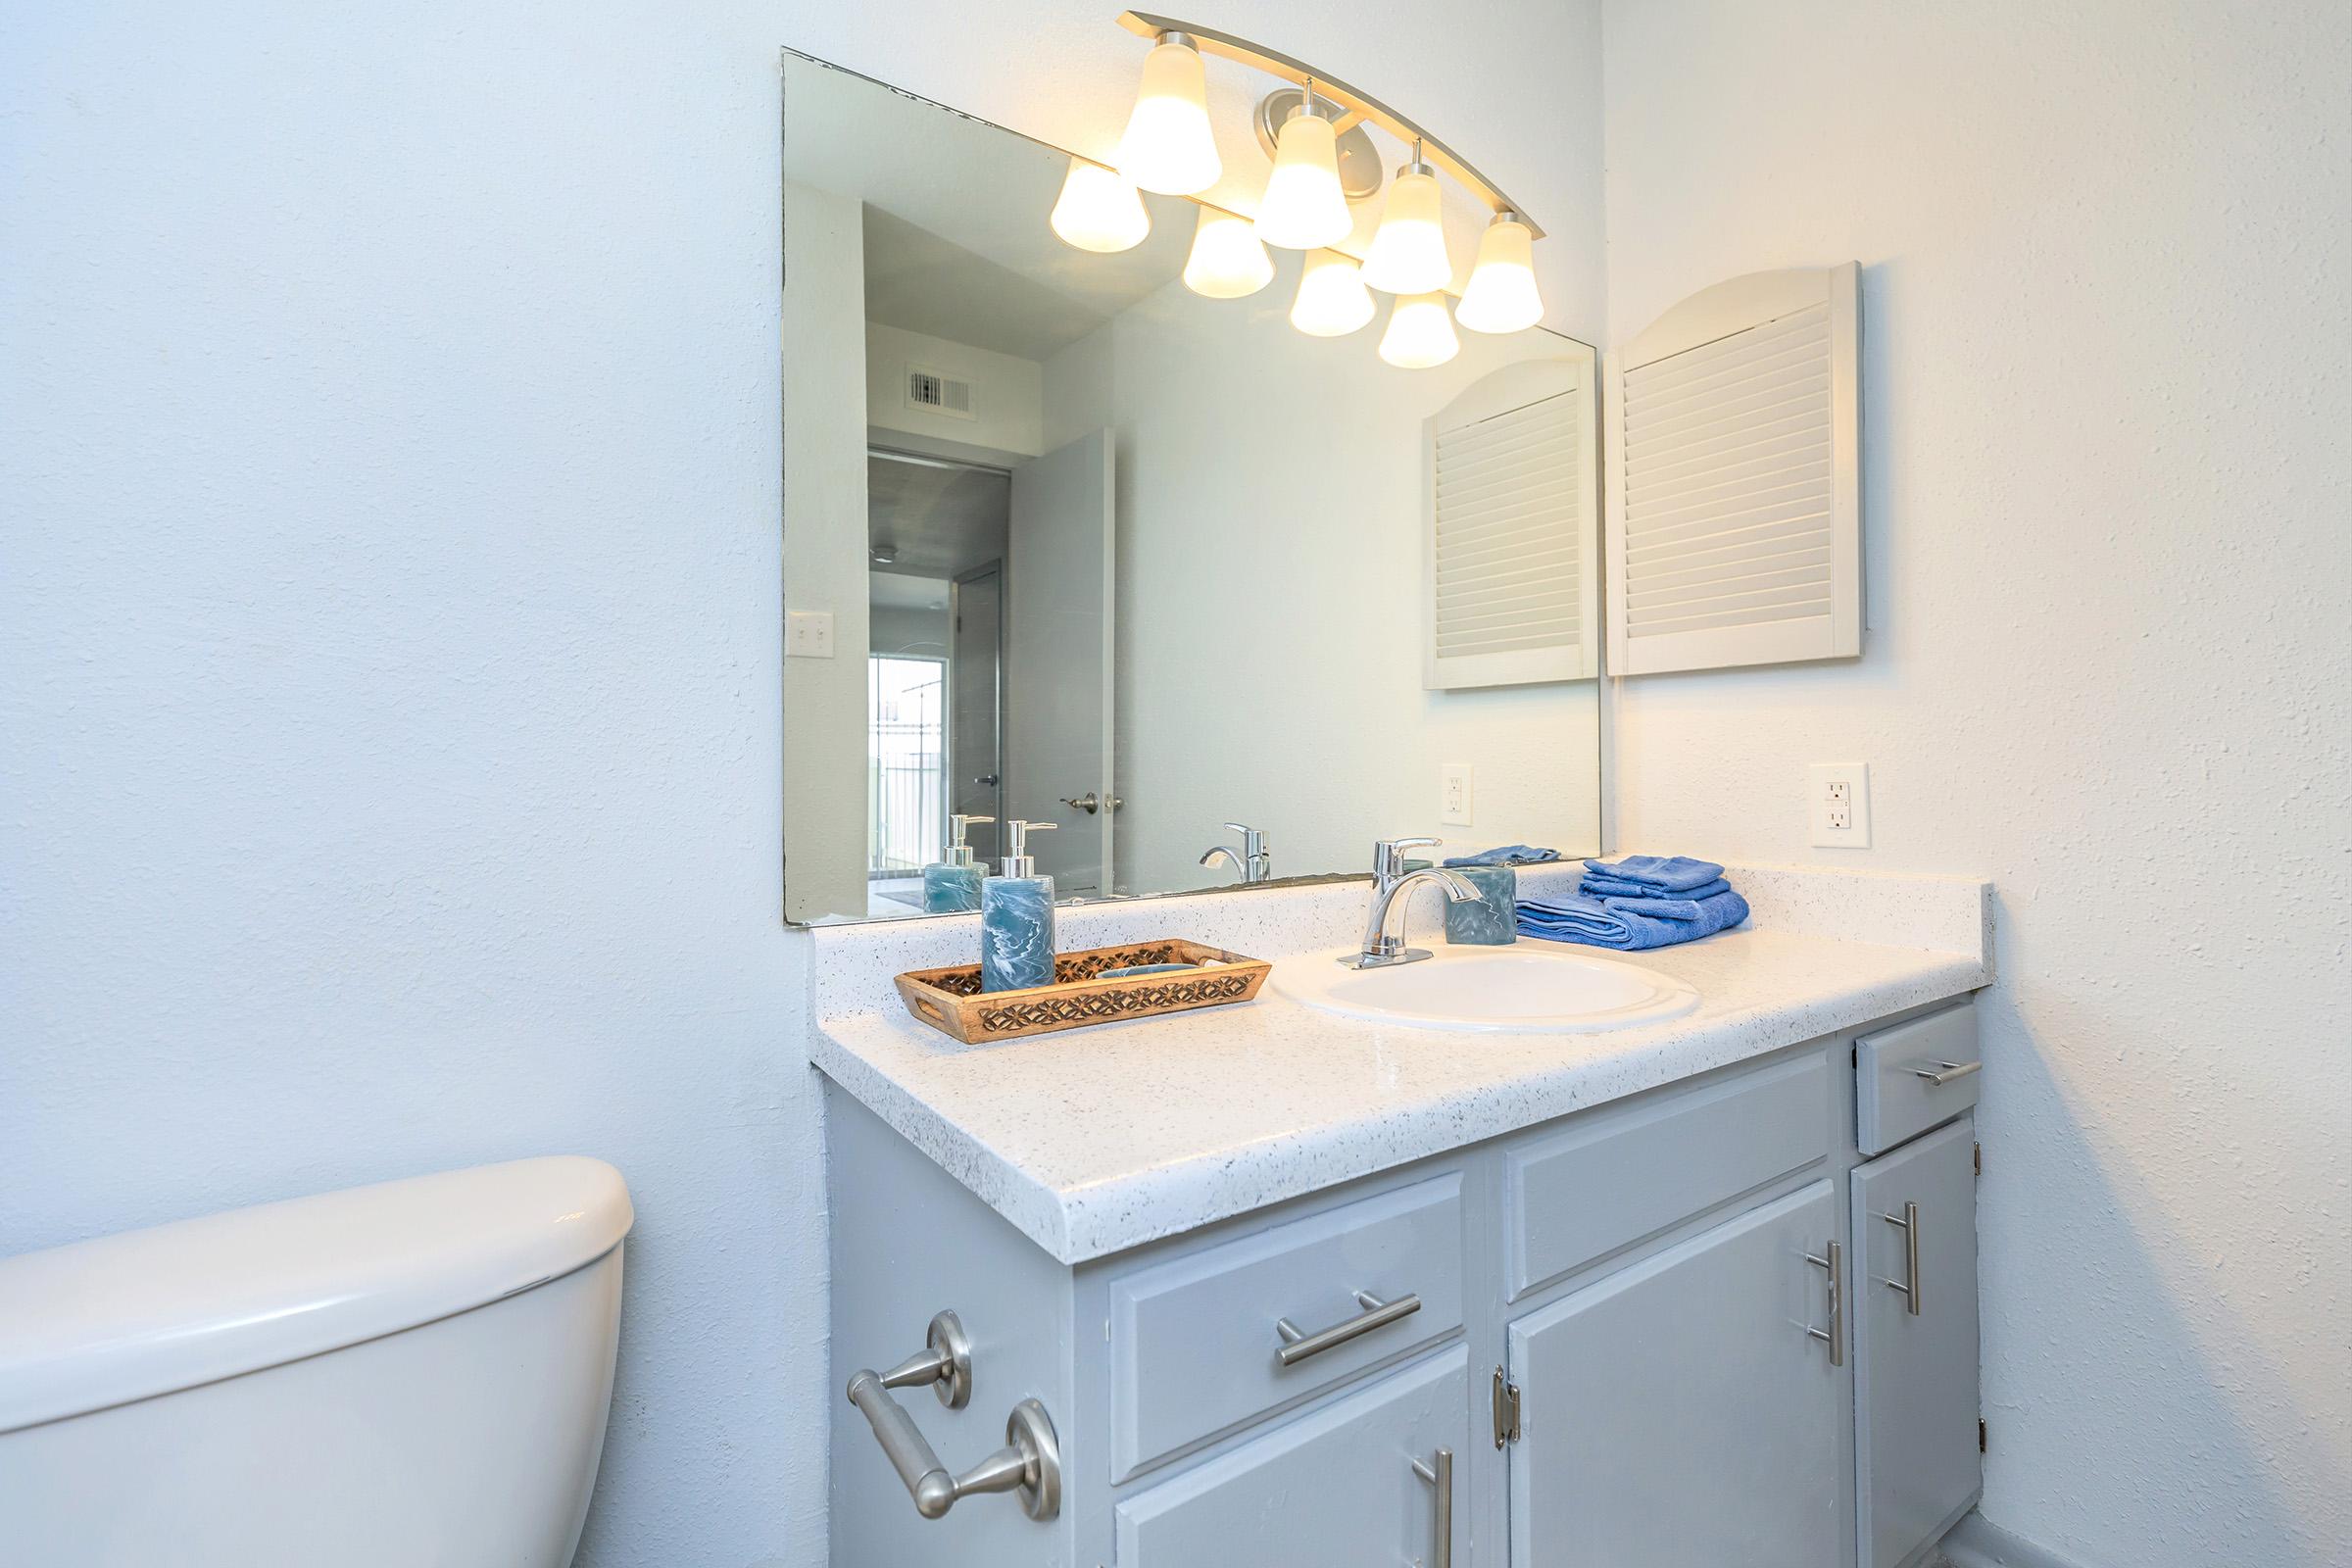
1227,259
1420,333
1323,160
1303,208
1332,300
1409,252
1501,296
1100,209
1170,147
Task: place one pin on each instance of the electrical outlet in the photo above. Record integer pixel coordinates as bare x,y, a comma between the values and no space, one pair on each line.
809,634
1453,794
1838,804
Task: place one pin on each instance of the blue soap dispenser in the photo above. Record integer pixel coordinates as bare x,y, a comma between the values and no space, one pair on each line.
1016,917
951,884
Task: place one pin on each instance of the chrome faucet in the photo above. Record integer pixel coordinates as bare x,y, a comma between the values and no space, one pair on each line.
1252,860
1392,897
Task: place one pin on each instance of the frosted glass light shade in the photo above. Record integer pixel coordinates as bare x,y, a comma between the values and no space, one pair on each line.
1332,300
1100,209
1169,146
1303,208
1228,259
1501,296
1420,333
1409,251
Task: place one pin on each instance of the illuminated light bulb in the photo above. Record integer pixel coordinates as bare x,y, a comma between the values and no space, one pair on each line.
1099,210
1228,259
1501,296
1420,333
1409,251
1169,146
1303,208
1332,300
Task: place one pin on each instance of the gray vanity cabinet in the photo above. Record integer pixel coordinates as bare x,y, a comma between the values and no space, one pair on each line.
1656,1333
1915,1342
1679,1411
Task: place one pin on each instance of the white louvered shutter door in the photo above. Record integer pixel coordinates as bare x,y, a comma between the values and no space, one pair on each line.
1512,591
1734,514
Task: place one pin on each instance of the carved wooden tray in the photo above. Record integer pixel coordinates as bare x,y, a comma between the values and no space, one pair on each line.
951,1000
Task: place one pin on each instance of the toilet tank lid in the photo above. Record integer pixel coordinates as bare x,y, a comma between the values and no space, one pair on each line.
125,1317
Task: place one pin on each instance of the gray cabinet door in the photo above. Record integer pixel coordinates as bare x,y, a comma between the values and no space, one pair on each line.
1677,1413
1915,1391
1336,1486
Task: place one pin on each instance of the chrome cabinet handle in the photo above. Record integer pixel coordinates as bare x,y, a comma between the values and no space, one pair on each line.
1298,1345
1440,1476
1834,1266
1908,1223
1029,1462
1952,1072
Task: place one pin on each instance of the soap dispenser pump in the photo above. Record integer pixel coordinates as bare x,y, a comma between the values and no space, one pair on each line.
1016,917
951,884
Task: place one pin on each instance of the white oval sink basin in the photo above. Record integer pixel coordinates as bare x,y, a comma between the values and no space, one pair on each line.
1527,988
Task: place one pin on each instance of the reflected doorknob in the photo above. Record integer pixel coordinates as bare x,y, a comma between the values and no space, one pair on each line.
989,779
1090,805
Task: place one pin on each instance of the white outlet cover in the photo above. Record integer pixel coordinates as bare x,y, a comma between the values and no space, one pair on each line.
1821,798
1456,783
809,634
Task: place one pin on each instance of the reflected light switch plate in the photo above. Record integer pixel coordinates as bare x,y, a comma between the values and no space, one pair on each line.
809,634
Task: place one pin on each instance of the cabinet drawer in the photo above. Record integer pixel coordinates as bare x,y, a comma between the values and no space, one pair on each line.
1194,1347
1614,1177
1334,1487
1895,1092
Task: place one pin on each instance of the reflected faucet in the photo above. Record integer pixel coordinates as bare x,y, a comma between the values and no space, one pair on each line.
1392,898
1252,860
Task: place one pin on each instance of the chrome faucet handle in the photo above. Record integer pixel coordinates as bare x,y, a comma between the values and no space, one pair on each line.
1387,856
1392,897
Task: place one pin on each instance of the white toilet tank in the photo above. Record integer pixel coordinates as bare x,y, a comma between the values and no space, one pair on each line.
416,1373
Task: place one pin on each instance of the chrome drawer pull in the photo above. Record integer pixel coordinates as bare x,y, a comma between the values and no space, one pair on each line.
1908,1223
1835,1334
1440,1476
1952,1072
1298,1345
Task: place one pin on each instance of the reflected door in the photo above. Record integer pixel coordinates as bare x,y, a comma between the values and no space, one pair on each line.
1057,659
975,706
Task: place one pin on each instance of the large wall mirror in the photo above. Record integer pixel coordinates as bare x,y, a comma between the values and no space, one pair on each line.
1068,541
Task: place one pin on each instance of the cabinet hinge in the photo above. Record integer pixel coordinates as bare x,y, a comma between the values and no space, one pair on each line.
1976,1157
1507,1409
1979,1436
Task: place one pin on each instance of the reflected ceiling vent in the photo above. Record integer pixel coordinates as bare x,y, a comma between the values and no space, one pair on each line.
934,393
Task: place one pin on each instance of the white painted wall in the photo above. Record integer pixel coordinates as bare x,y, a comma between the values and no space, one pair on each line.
1006,391
2105,324
389,633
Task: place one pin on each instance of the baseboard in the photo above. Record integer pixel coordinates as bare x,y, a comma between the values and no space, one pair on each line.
1975,1543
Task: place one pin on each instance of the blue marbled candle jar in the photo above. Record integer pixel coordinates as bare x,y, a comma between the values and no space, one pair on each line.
1017,932
1491,920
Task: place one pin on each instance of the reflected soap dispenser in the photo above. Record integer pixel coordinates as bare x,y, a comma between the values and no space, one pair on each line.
951,884
1016,917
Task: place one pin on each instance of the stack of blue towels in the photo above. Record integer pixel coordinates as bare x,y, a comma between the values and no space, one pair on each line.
1643,901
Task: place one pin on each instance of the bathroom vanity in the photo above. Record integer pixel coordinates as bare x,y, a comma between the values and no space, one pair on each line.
1291,1288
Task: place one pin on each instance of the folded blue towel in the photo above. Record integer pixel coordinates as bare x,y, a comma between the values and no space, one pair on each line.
1609,887
1509,855
1630,925
1655,874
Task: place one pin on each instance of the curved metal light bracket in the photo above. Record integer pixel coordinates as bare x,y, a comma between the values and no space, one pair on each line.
1356,106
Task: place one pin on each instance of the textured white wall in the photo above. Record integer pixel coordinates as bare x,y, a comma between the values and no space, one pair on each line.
2105,321
389,624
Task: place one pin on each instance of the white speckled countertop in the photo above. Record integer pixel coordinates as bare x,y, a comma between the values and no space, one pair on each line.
1091,1141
